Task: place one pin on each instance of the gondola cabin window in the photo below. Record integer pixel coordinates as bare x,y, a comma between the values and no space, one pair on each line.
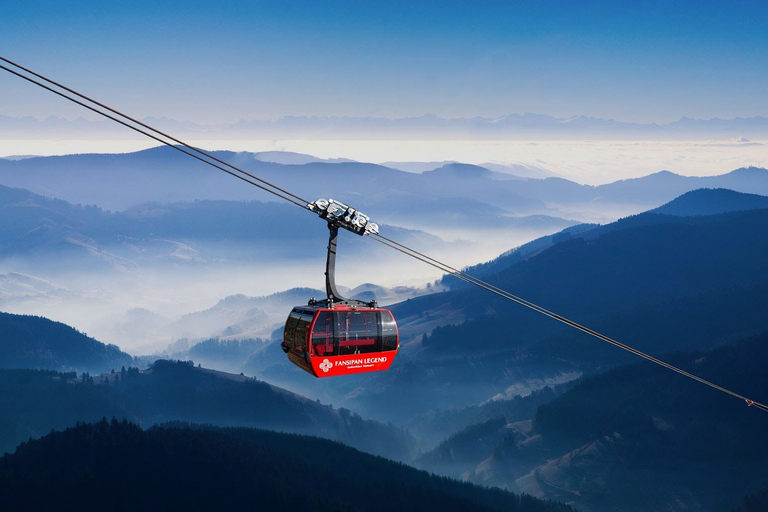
357,332
296,331
389,337
323,343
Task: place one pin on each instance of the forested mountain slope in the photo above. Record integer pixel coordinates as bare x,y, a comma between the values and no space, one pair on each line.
712,202
34,402
35,342
642,438
118,466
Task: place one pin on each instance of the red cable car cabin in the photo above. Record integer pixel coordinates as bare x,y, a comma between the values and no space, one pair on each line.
338,336
341,340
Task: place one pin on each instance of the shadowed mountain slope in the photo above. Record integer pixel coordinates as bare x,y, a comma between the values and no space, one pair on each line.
35,342
696,202
641,438
756,502
633,263
34,402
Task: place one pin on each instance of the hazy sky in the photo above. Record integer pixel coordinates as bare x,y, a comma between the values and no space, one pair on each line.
210,62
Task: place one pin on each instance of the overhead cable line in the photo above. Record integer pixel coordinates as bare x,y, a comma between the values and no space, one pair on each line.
298,201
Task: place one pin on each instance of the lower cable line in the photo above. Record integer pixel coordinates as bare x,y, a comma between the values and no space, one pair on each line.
281,193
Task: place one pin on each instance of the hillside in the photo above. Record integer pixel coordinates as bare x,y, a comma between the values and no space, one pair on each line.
638,438
641,260
703,201
444,425
34,402
34,342
465,449
757,502
118,466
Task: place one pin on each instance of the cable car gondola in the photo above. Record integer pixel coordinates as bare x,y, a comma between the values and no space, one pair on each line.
338,336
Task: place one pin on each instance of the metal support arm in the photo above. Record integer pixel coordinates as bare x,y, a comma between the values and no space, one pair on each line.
330,266
333,295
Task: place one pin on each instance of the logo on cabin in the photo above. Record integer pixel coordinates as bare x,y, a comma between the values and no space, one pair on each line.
326,365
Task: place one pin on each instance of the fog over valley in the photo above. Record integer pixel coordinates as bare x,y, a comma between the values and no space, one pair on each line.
127,270
594,162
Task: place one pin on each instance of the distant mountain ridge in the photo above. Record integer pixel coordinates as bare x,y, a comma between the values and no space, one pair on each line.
118,182
427,127
712,202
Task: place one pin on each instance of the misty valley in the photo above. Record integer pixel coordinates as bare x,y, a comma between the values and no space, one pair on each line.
143,298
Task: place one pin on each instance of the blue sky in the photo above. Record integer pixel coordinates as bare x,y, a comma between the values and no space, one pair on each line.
211,62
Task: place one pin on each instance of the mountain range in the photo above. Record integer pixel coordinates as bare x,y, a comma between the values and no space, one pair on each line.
162,174
630,271
517,126
677,282
163,208
456,212
461,196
